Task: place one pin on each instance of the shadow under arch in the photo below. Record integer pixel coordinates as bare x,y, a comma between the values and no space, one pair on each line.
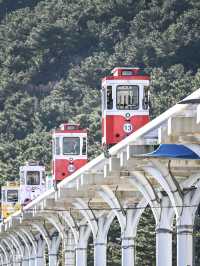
90,251
46,254
114,244
146,239
196,238
60,255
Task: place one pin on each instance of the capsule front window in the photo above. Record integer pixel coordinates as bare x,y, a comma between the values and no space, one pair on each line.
71,146
145,102
33,178
127,97
12,195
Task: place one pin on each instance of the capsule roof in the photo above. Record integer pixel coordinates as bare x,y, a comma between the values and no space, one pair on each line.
70,128
127,73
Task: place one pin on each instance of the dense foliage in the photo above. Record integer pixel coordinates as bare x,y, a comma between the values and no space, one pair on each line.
53,54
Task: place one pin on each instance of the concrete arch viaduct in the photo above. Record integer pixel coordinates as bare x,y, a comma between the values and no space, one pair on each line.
120,185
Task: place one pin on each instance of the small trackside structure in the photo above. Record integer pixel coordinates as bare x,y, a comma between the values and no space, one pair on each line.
32,181
69,150
125,103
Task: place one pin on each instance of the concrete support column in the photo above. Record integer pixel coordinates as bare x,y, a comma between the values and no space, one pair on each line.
100,241
82,244
39,260
26,256
128,251
184,245
53,251
8,251
20,249
128,219
25,262
52,259
69,249
31,244
185,223
81,256
100,253
163,247
1,259
164,229
32,260
26,248
5,254
16,259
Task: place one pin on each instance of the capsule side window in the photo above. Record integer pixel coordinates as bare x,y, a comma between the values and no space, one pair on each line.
53,146
57,146
109,97
145,102
84,147
3,196
22,178
43,178
103,100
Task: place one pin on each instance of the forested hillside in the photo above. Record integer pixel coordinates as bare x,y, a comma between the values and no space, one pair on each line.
53,54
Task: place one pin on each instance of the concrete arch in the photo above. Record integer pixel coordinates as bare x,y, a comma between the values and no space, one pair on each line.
104,223
107,194
84,232
194,180
99,227
55,242
17,242
5,253
185,224
196,198
31,238
71,223
56,223
27,245
58,240
126,220
1,259
190,206
88,214
10,247
135,216
144,186
162,176
163,215
40,228
81,233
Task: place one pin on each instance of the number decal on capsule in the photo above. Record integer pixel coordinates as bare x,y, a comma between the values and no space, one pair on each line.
128,128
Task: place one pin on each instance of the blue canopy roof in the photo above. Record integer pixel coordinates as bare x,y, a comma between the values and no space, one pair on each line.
173,151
